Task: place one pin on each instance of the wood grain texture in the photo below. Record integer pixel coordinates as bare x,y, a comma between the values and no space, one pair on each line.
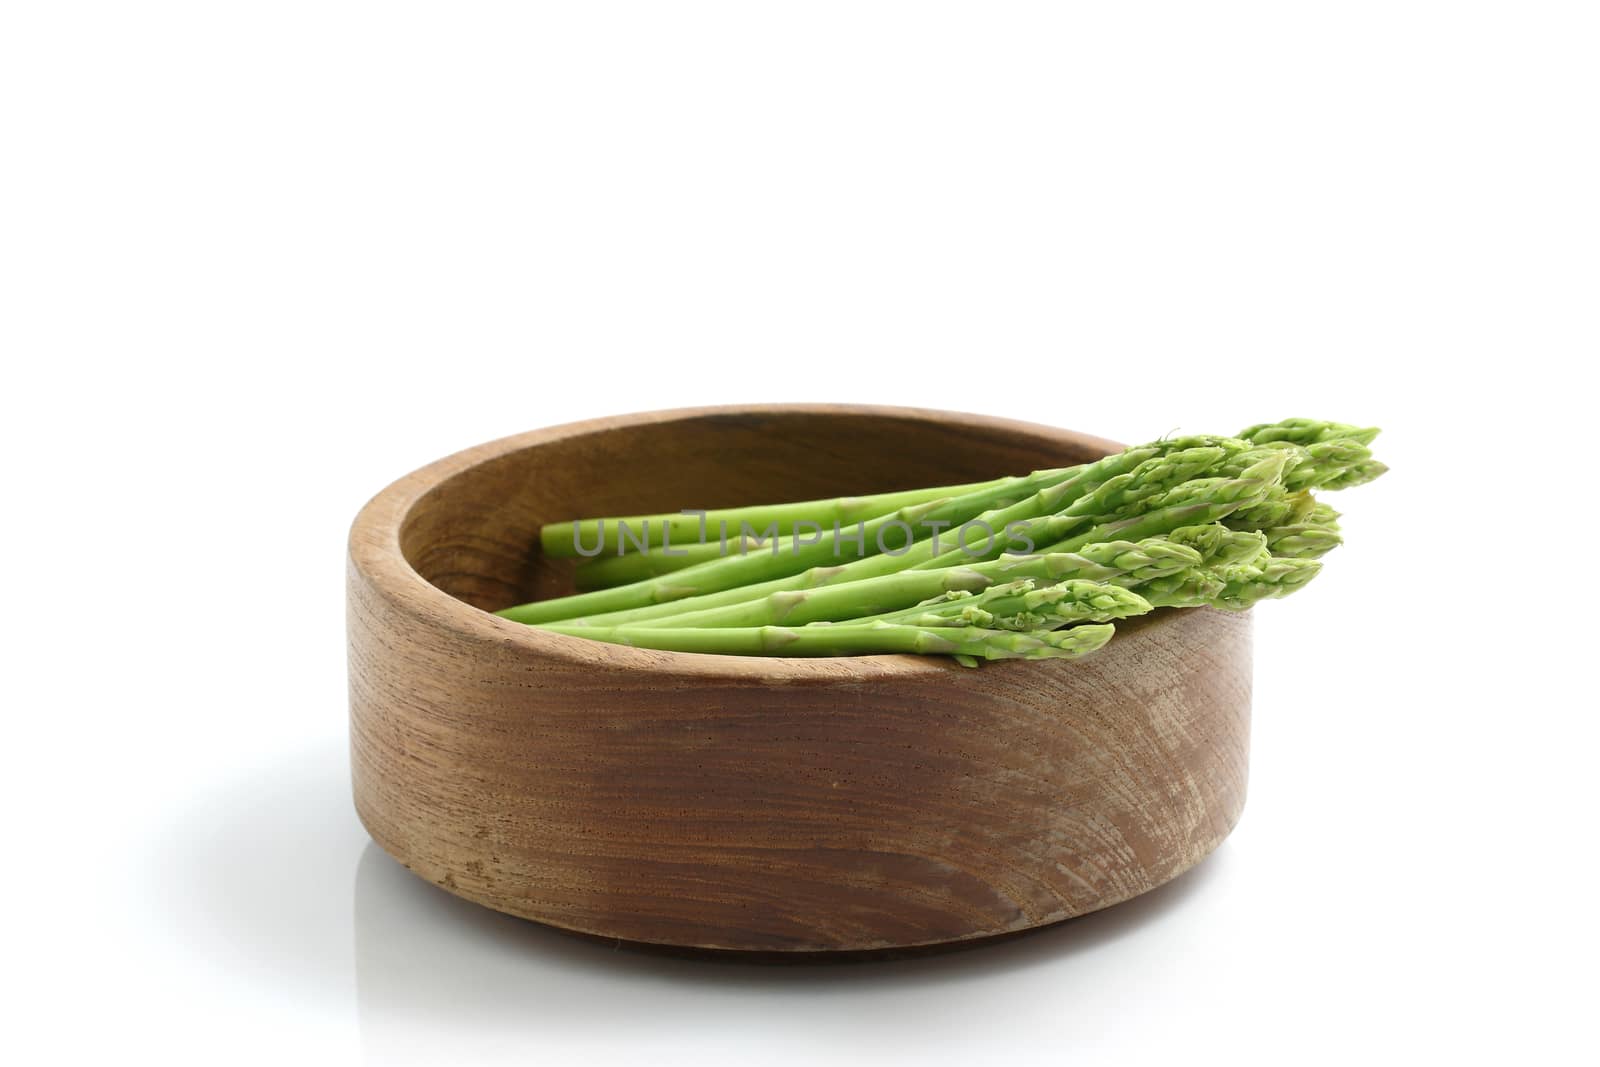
785,805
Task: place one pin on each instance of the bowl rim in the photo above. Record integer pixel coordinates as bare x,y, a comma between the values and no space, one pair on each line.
374,551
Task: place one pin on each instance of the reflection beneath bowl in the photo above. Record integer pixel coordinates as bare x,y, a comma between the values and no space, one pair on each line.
432,967
250,878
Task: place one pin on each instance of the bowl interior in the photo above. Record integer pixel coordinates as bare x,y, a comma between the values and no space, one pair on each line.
475,534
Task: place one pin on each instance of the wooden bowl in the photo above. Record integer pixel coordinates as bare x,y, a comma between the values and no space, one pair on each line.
786,805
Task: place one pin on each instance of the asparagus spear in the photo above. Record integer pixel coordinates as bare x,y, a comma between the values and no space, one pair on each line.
1276,508
1105,477
750,577
1303,540
603,572
1219,546
1235,588
1358,474
1332,464
1119,494
1120,561
1308,431
1323,515
1125,481
1279,577
1116,478
1336,454
1151,478
1121,497
559,540
1223,521
1134,561
724,574
848,600
1188,589
1023,605
1311,536
1201,500
852,639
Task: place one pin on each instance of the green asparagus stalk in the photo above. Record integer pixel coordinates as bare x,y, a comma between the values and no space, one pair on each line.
1120,494
1119,561
1279,577
1201,500
1024,605
1121,497
852,639
1276,508
782,522
1226,501
1324,515
1308,431
1305,540
1118,480
1332,464
724,574
1337,455
603,572
1217,545
1237,588
1358,474
1188,589
1151,478
750,577
606,571
1293,524
560,540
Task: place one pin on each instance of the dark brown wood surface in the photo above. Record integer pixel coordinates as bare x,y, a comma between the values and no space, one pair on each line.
762,804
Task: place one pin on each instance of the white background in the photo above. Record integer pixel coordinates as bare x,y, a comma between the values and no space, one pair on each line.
257,260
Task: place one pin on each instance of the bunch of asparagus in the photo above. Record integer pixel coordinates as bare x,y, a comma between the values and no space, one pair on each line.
1038,566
